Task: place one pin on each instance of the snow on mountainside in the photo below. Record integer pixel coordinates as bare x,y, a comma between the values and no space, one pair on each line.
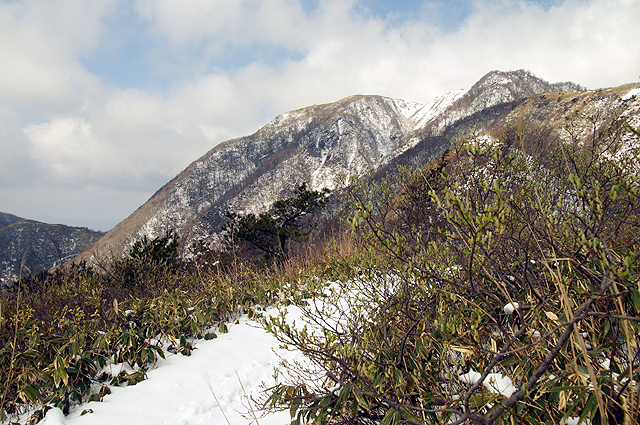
358,134
434,108
217,384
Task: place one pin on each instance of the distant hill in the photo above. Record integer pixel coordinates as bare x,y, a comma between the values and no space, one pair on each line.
7,219
34,246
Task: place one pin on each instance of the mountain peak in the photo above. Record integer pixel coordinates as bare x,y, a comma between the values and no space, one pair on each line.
6,219
520,83
354,135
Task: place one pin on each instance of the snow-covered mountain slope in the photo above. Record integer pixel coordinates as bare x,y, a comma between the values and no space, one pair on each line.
358,134
436,107
553,115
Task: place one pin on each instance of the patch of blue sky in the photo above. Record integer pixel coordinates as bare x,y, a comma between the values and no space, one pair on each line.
131,59
32,116
309,6
238,56
124,66
546,4
148,66
448,15
124,57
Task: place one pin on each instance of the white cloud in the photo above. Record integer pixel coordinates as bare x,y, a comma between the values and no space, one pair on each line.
40,41
219,23
131,142
17,167
590,42
66,147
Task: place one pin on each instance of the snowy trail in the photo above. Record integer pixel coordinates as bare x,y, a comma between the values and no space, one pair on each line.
176,391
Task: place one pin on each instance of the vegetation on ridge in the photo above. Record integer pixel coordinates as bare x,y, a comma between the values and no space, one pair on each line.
272,232
58,330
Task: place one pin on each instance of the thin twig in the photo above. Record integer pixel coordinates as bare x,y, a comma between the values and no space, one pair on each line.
248,399
208,381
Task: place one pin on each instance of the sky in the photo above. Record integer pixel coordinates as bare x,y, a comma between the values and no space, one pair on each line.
103,102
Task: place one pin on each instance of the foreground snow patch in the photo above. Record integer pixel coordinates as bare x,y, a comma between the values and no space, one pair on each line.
494,382
510,308
177,392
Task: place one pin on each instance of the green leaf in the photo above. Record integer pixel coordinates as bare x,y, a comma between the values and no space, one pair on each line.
561,389
590,407
321,415
343,396
362,401
29,393
60,376
635,298
410,415
391,417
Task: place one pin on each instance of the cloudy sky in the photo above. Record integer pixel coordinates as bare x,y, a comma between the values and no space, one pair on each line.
104,101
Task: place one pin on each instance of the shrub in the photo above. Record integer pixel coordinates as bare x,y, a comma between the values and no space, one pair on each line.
59,329
512,297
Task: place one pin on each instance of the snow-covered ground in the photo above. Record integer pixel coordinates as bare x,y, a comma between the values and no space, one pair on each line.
177,389
220,381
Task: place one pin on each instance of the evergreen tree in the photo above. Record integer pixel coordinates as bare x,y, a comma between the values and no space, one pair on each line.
272,231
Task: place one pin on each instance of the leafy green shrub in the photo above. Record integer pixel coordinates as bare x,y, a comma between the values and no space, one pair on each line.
509,294
59,330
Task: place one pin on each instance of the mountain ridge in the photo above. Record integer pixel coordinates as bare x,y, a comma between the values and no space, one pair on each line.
290,142
355,135
7,219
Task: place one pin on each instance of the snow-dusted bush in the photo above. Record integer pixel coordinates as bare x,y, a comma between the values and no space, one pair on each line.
514,295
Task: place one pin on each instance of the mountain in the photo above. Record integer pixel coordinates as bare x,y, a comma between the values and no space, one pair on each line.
28,246
358,134
493,89
554,115
7,219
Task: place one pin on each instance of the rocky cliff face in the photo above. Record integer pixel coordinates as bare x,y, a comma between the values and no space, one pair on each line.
358,134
